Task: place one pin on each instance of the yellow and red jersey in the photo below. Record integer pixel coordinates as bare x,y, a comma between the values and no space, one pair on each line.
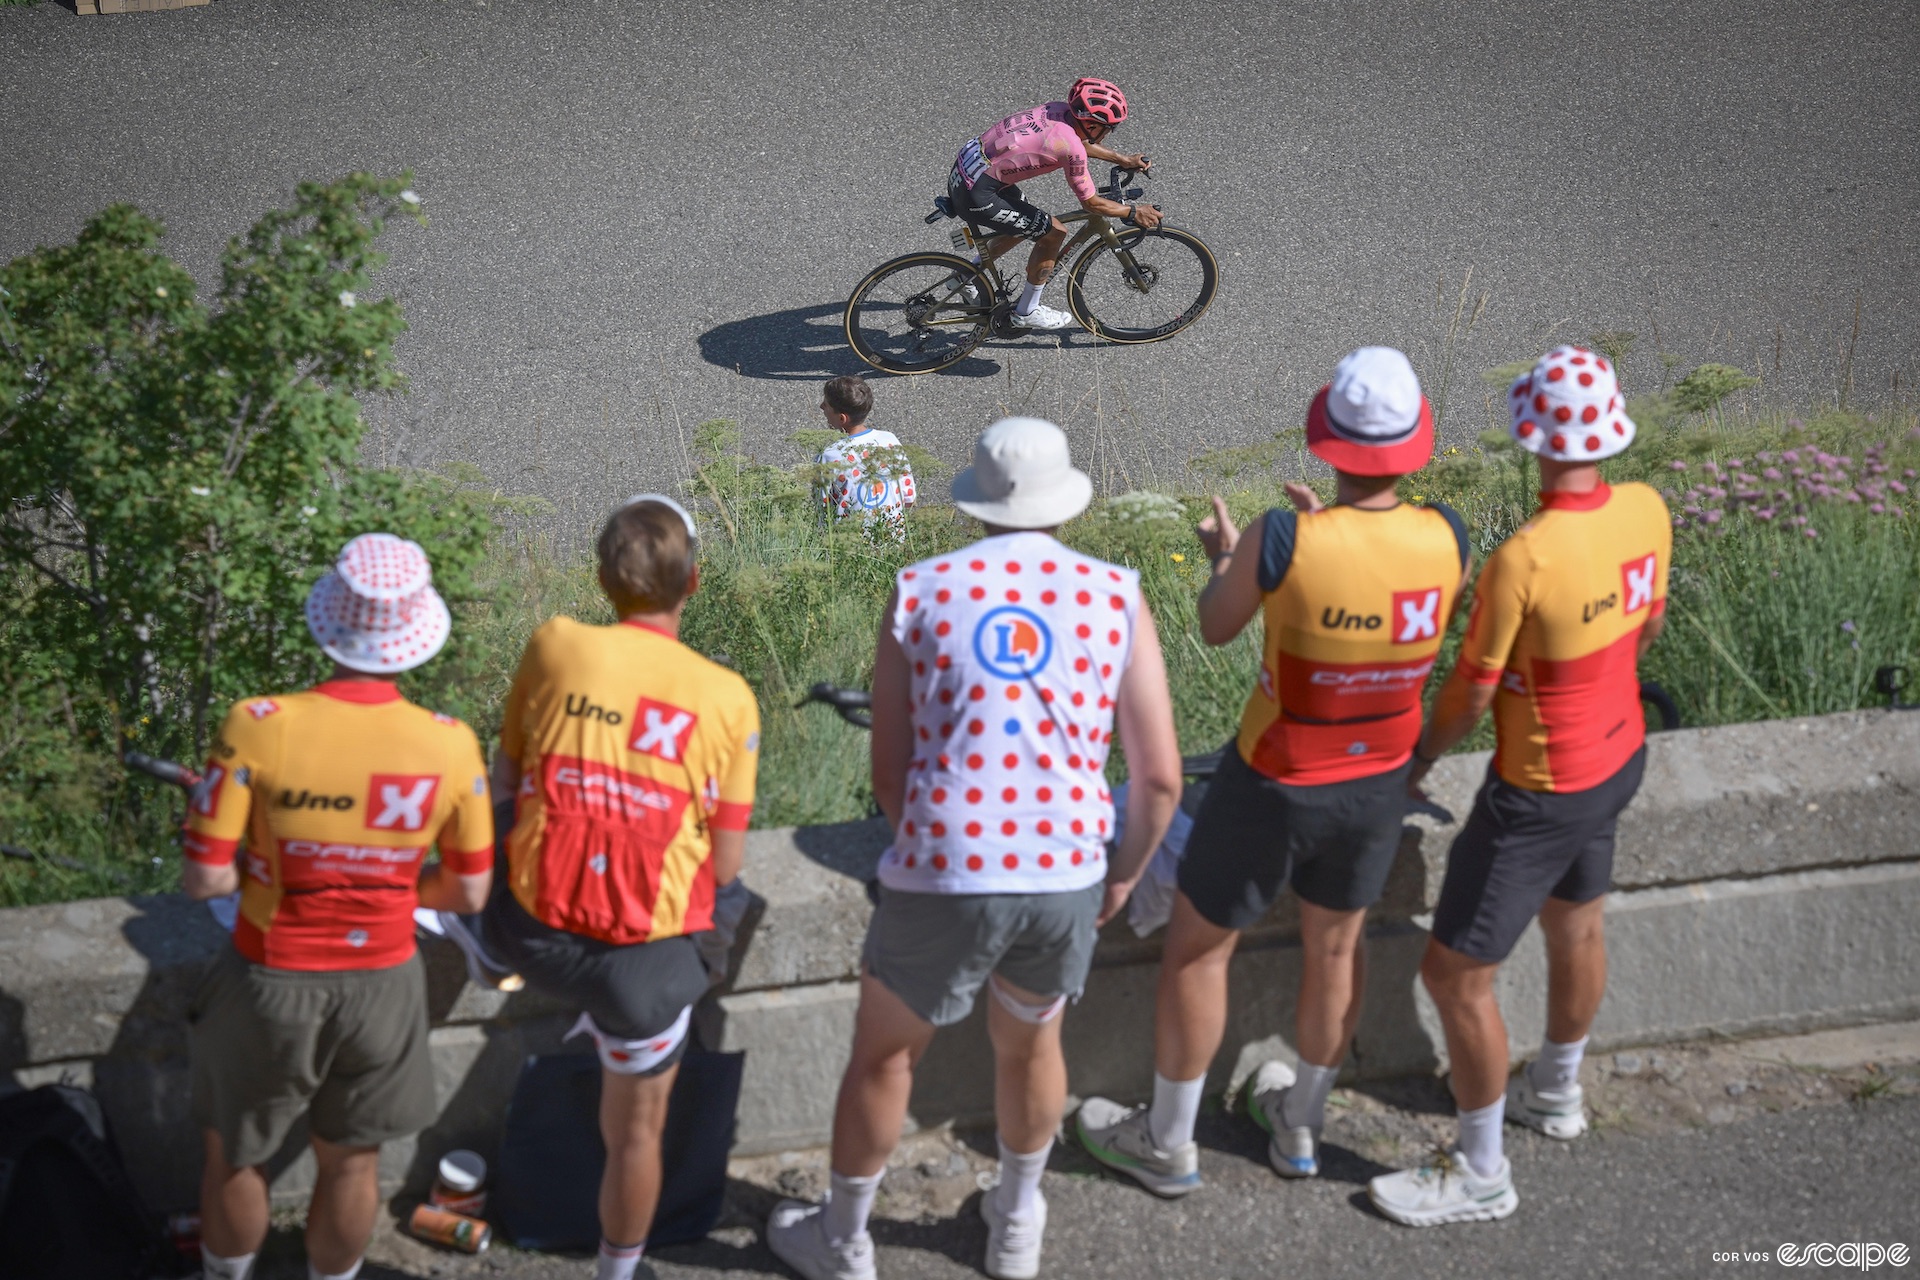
633,749
1556,621
338,792
1356,603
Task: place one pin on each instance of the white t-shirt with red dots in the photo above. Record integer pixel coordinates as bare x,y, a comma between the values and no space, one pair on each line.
1015,646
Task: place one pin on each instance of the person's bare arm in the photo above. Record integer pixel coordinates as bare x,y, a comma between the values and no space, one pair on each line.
1232,596
1458,708
729,851
892,734
1145,716
1649,632
462,895
200,881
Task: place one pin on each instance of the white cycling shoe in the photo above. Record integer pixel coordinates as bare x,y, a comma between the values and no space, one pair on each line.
1559,1113
797,1234
1445,1189
1043,318
1013,1245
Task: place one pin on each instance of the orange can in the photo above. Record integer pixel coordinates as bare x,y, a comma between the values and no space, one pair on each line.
454,1230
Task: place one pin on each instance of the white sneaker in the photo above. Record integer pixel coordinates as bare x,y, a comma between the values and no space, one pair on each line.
1292,1150
797,1234
1013,1244
1119,1138
483,967
1444,1190
1561,1113
1042,317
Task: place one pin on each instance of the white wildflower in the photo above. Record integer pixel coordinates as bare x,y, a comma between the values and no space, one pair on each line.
408,196
346,297
1142,506
160,291
309,511
199,491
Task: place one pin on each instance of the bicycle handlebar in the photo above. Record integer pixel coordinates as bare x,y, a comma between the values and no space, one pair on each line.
165,770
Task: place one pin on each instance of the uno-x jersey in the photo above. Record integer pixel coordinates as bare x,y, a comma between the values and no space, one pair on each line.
1356,603
633,749
1556,620
338,792
1016,647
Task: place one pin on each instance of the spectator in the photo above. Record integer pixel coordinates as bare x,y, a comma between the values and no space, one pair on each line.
1000,673
1561,616
320,1006
1354,598
865,473
633,760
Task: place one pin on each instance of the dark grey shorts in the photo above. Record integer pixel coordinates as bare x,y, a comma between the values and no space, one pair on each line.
347,1048
1520,848
1335,842
935,950
634,992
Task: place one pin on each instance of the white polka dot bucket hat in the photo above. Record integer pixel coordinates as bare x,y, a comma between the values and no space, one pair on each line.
376,610
1569,408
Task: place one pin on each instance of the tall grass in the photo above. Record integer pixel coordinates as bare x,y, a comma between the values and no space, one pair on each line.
1765,621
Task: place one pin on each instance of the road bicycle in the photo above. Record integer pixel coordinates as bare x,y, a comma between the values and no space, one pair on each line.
922,312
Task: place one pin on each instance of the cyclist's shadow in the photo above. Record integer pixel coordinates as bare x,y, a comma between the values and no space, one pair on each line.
803,344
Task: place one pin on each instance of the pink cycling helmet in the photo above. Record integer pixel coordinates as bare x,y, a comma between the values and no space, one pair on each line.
1098,101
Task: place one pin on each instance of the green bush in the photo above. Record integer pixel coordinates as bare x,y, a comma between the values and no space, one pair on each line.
177,473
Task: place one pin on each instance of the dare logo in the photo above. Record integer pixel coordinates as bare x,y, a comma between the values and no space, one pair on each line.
661,730
1012,643
401,801
1636,582
1416,615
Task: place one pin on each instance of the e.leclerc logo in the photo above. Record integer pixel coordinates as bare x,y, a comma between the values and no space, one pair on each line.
871,492
1012,643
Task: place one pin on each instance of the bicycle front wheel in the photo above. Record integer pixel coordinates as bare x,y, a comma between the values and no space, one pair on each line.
1156,284
920,312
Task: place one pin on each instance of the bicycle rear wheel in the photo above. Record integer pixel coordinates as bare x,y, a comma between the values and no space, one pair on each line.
1157,284
914,314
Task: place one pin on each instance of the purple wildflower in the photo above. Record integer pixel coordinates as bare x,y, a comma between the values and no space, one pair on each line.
1877,508
1771,473
1847,626
1677,465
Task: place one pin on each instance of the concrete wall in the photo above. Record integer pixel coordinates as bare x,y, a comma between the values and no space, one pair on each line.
1768,880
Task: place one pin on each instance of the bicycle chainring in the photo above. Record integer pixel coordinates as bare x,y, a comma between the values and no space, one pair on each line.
1002,325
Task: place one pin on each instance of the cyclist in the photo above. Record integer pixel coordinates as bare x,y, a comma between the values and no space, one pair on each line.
984,184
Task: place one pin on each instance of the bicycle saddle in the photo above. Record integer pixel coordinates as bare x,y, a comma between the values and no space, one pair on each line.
942,208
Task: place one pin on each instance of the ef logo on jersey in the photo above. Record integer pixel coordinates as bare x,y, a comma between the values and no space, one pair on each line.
401,801
1012,643
1416,615
662,730
1636,582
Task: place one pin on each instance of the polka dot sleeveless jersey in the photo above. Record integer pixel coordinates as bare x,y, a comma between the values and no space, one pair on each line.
1015,648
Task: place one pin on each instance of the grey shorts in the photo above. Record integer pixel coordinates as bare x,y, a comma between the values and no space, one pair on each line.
346,1048
935,950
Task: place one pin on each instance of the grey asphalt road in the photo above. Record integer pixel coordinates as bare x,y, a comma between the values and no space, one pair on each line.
1609,1205
649,212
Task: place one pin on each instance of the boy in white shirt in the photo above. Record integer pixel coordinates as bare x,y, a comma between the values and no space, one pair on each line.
864,473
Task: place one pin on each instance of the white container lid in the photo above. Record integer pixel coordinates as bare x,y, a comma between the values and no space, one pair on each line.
463,1171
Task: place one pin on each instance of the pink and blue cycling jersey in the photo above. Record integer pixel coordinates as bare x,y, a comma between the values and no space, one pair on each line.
1026,145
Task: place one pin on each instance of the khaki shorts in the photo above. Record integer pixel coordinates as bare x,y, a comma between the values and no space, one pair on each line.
348,1048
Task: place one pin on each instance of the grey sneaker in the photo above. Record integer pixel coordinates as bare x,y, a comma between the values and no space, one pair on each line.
1559,1114
1292,1150
797,1234
1119,1138
483,967
1042,317
1445,1189
1013,1245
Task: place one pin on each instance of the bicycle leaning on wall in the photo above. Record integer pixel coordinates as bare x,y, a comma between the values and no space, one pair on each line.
922,312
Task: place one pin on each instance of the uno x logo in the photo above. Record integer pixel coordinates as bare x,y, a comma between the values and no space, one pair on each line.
261,708
206,796
1416,615
400,802
661,729
1636,581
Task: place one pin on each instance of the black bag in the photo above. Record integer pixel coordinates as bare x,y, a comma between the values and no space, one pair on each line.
546,1194
67,1207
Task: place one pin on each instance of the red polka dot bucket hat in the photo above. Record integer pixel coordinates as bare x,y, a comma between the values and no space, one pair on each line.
1570,408
376,610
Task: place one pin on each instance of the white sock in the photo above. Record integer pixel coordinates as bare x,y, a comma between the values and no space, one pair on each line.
850,1204
1019,1188
1306,1102
1557,1069
216,1267
1480,1137
1029,299
315,1273
617,1261
1176,1105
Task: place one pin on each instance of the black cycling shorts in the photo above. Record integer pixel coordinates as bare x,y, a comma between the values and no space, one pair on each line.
996,208
1519,848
